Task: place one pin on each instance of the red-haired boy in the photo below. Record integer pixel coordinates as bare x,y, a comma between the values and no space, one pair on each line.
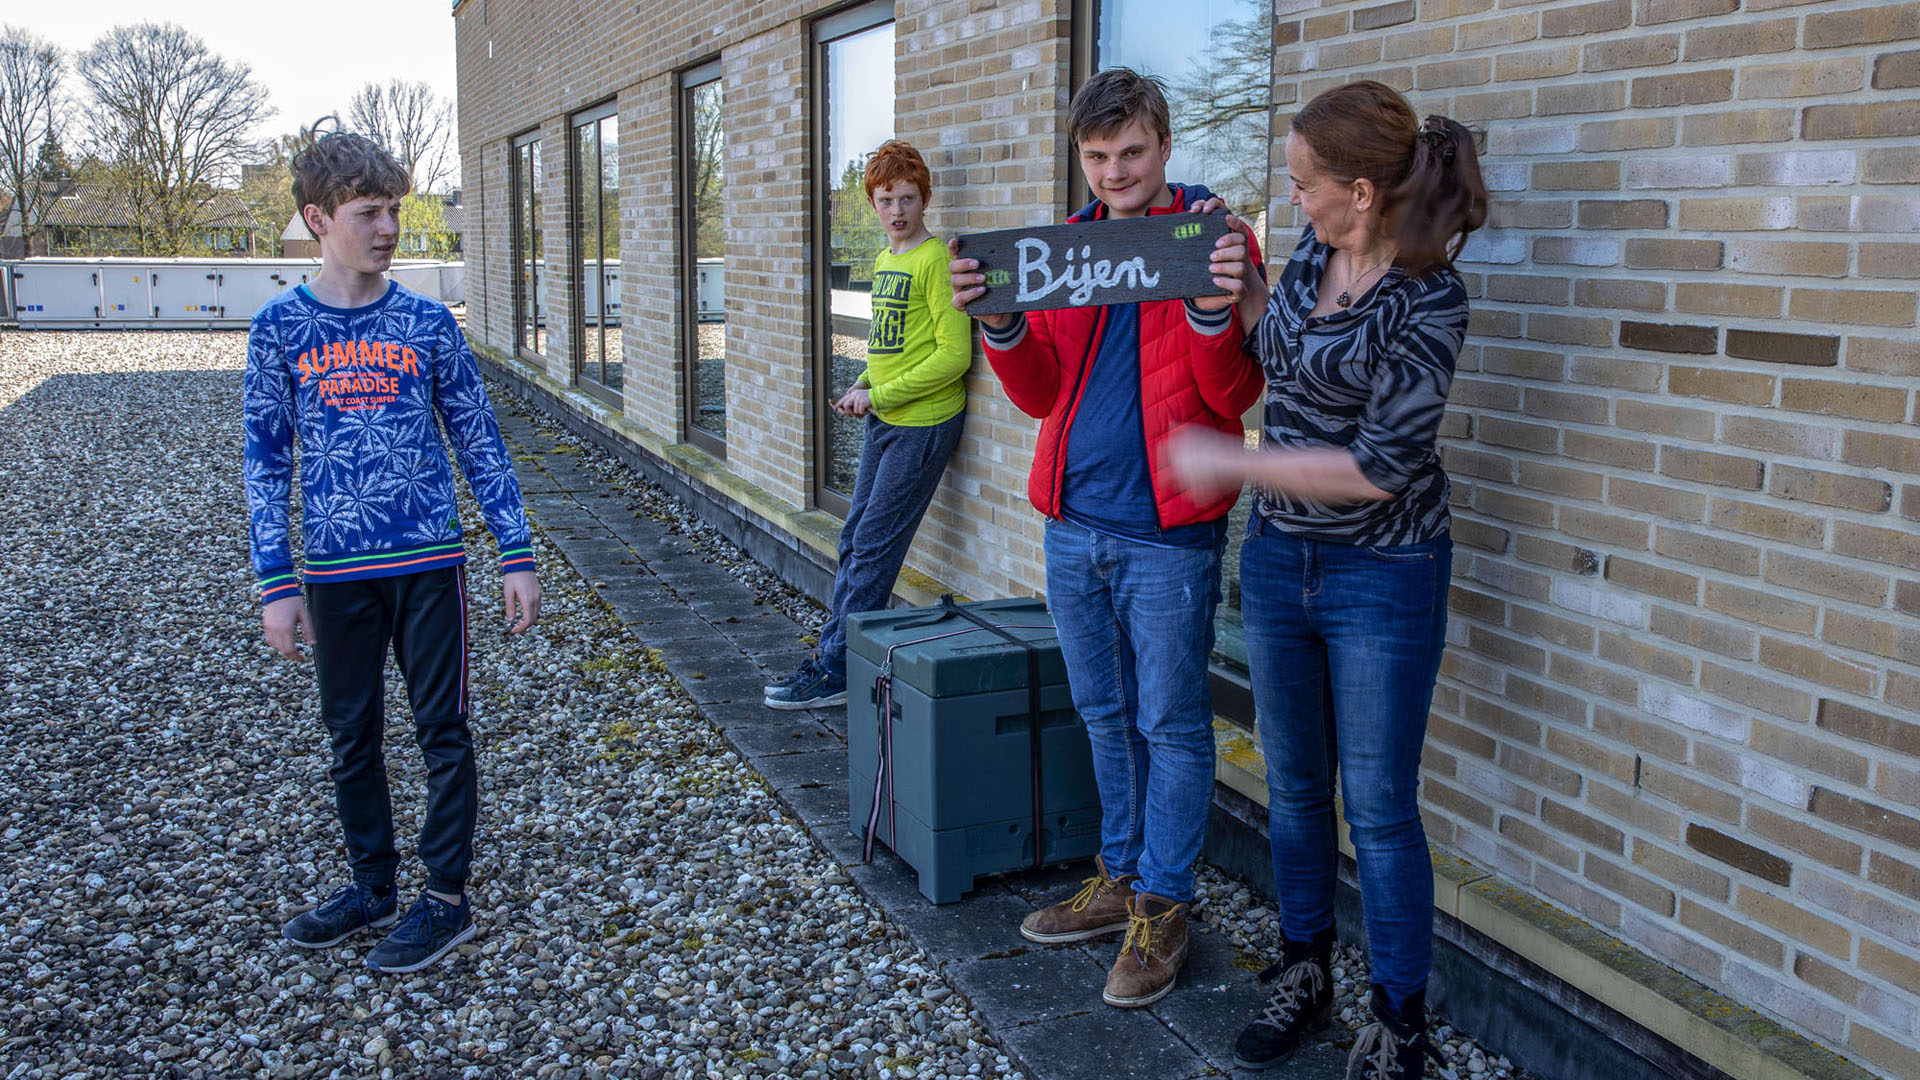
911,394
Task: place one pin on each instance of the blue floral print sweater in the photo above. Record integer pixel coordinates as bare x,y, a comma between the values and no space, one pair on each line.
361,389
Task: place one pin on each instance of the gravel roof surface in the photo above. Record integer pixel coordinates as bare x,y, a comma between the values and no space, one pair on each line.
646,907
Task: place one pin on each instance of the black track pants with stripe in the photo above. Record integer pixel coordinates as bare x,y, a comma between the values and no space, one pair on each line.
423,617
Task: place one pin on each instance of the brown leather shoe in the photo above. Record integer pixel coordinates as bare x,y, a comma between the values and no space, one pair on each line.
1151,956
1100,907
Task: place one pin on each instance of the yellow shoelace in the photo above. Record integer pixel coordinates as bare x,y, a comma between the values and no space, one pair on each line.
1139,938
1089,888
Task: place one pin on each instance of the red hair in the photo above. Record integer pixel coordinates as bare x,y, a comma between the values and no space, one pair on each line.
896,161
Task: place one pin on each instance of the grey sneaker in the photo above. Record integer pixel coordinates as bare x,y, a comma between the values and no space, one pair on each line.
800,675
820,690
431,929
352,908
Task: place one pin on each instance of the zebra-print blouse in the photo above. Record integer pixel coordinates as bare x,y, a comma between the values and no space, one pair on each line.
1373,379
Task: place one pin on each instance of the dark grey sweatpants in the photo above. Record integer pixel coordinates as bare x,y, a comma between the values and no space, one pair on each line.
899,469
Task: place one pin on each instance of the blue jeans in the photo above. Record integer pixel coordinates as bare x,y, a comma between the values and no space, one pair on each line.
1136,627
900,467
1343,645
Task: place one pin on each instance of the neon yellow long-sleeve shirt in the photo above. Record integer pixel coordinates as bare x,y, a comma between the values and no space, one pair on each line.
919,347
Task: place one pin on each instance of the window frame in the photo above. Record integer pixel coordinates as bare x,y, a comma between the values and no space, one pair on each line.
525,293
576,250
691,79
1083,47
826,30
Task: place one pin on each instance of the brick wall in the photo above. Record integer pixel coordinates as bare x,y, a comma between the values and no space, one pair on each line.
649,225
1682,690
770,393
1680,699
558,265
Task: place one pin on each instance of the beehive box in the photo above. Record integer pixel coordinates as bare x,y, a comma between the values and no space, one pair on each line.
961,802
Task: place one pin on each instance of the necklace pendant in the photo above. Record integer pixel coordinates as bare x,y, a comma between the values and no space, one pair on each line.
1344,300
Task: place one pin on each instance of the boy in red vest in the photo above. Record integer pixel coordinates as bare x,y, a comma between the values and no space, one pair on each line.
1133,557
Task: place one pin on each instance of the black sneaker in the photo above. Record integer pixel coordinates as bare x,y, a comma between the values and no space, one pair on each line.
351,909
821,690
430,930
1394,1046
1300,1005
800,675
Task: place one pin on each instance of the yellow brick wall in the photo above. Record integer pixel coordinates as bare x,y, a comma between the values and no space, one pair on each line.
649,269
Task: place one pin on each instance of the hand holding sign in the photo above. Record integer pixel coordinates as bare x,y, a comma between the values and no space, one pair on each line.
969,284
1116,261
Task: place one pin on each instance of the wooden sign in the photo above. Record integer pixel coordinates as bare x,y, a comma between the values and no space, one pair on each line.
1116,261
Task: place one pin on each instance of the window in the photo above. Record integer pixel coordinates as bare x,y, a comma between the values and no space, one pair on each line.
596,246
1217,62
529,280
703,257
853,110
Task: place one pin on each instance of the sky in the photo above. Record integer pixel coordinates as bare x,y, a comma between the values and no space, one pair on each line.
863,68
370,42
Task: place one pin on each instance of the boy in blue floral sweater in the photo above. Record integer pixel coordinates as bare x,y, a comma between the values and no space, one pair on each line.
358,368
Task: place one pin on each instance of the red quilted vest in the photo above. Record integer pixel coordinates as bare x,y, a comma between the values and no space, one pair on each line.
1185,378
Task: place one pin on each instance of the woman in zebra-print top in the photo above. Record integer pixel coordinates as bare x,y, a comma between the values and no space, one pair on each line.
1343,574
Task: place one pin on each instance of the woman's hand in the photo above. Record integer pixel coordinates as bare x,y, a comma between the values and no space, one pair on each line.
1206,461
1232,269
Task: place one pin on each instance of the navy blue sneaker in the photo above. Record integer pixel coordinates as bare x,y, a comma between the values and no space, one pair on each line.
821,689
800,675
429,931
351,909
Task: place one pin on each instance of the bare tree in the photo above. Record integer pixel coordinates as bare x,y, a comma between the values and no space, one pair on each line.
30,71
1221,107
413,123
172,118
709,172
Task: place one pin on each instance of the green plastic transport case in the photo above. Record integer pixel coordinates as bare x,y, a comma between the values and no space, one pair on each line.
949,783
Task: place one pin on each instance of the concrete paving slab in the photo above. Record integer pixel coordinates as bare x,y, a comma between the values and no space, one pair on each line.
777,663
1027,984
986,922
733,687
729,714
796,770
1102,1045
662,633
817,803
1215,998
838,840
756,741
642,596
764,622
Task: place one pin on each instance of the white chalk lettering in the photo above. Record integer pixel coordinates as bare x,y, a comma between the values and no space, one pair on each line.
1081,280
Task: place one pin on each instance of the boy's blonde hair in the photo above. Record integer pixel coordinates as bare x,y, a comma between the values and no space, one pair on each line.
342,167
897,160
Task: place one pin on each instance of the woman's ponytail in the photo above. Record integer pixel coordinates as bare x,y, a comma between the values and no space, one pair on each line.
1442,199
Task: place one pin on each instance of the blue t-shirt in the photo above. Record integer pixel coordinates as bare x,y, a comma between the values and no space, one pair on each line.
1106,483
